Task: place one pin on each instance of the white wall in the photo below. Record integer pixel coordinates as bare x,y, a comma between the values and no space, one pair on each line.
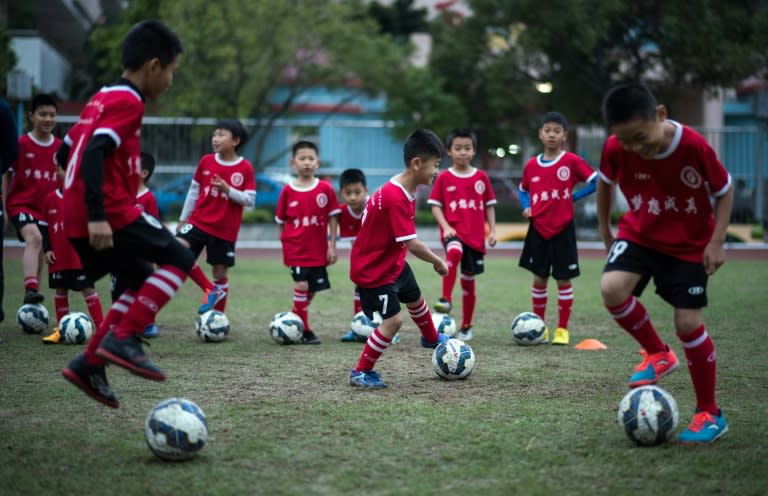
48,69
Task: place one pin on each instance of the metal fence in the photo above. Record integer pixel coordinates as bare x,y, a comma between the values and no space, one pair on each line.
179,142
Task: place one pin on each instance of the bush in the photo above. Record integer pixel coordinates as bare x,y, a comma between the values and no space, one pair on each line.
258,216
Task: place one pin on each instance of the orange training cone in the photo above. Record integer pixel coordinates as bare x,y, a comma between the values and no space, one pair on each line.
591,344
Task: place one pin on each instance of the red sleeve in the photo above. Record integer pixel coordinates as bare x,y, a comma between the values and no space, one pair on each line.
151,205
608,159
400,220
489,195
281,206
121,120
436,195
333,201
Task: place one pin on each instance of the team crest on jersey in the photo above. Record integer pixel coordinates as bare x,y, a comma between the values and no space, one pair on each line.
322,200
479,187
293,203
563,173
237,179
451,188
690,177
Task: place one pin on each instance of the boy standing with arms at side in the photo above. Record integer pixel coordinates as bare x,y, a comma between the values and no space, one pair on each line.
547,199
213,210
64,267
378,266
671,233
32,178
354,192
110,234
307,211
462,201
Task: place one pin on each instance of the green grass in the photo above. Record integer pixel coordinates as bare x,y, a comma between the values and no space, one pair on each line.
283,420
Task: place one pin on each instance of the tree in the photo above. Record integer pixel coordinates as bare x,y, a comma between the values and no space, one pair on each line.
493,60
256,59
400,19
7,57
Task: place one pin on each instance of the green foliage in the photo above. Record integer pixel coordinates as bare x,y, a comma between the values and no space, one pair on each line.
492,60
258,216
400,19
284,421
7,57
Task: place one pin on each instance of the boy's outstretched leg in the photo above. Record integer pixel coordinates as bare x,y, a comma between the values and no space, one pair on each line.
453,254
468,300
123,345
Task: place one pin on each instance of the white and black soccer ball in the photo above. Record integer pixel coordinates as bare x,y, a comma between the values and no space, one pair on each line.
32,317
648,415
176,429
528,329
453,359
362,326
286,328
212,326
444,324
76,328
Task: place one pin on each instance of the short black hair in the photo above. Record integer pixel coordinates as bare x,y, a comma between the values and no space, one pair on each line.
627,102
352,176
303,144
235,127
148,40
461,132
424,144
554,117
42,99
147,164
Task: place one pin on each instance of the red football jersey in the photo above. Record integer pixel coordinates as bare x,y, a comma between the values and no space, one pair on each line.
147,202
53,217
349,223
550,184
670,197
304,214
378,255
464,198
115,111
34,176
214,212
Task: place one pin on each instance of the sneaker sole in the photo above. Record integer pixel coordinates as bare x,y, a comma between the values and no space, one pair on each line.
133,369
689,443
75,380
354,384
635,384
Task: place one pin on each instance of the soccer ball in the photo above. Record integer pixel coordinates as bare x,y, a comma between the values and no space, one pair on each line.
648,415
528,329
444,324
453,359
32,317
286,328
362,326
212,326
176,429
76,327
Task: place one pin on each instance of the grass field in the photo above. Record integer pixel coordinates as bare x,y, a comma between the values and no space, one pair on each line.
283,420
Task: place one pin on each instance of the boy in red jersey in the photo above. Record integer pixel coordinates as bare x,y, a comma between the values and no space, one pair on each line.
112,235
307,211
671,233
65,272
145,199
546,194
213,210
28,183
354,192
378,265
462,201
